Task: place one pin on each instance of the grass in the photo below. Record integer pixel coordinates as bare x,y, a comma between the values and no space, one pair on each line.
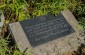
5,50
18,10
80,14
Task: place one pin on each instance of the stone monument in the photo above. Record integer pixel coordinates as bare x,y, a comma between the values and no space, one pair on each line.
47,34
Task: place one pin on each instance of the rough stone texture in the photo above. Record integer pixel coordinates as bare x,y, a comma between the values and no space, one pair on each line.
82,36
55,47
19,36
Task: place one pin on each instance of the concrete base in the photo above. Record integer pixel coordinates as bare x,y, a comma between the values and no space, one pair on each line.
55,47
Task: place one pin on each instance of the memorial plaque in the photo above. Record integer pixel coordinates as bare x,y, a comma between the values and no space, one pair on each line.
46,28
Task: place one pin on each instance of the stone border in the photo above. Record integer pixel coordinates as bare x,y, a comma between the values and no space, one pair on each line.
19,36
71,19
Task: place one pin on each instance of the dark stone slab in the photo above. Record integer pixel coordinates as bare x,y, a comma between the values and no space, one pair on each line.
46,28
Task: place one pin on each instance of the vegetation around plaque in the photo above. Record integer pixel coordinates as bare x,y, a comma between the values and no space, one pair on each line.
16,10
